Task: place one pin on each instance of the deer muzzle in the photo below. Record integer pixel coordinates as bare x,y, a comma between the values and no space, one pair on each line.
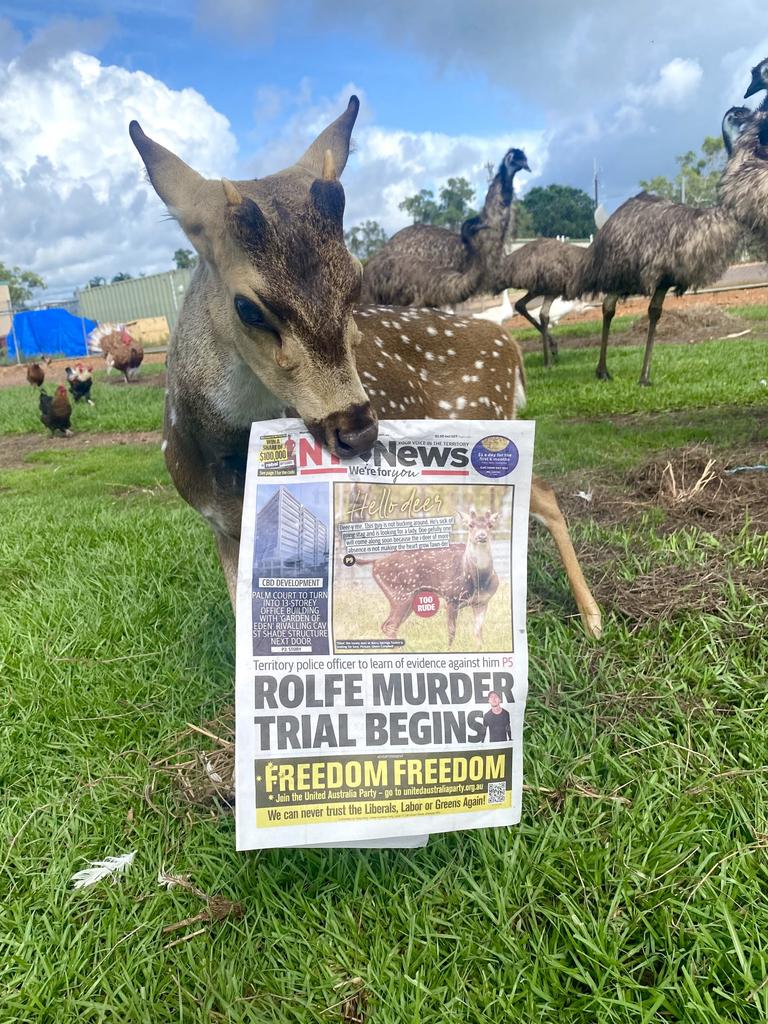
347,433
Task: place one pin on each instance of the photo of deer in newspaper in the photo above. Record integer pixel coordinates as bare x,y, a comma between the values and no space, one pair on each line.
421,569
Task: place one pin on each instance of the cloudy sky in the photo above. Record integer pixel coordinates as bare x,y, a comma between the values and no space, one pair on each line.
239,88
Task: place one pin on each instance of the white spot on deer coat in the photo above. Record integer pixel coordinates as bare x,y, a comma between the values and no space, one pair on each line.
432,330
479,364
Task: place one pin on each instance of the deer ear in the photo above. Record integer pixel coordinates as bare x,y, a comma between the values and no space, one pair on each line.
173,180
334,138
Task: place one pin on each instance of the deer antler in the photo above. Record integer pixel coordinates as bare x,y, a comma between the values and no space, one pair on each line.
329,171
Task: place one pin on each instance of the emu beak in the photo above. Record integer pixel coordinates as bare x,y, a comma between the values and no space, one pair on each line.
755,85
525,167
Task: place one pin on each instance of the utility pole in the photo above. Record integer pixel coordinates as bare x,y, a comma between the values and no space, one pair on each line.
597,184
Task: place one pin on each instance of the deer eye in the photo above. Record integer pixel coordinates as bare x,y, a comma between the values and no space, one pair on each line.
250,314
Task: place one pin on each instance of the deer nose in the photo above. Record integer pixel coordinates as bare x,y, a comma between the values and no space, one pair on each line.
356,441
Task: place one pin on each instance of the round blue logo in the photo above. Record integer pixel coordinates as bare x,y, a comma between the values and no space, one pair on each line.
495,456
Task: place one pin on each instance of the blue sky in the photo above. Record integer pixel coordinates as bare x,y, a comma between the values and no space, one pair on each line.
238,88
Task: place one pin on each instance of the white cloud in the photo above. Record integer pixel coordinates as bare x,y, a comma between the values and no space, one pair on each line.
676,84
74,202
386,165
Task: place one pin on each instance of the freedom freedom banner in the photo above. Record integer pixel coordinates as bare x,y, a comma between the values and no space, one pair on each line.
382,662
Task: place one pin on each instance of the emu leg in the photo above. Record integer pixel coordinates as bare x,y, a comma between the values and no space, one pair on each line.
229,550
545,509
609,309
520,307
654,315
549,341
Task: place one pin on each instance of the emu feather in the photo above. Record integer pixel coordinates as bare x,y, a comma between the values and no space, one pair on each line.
98,870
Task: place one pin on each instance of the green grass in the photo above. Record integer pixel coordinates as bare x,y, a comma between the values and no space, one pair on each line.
757,312
137,406
115,631
581,329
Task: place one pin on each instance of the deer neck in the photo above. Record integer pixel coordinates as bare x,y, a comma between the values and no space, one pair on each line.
478,559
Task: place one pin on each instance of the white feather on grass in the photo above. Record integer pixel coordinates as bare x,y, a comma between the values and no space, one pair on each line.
98,870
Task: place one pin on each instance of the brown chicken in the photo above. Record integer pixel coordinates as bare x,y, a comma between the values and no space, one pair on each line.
55,411
123,352
35,375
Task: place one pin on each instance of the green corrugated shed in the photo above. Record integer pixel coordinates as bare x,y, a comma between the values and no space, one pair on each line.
156,295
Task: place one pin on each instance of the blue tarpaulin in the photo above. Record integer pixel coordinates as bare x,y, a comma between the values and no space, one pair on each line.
48,332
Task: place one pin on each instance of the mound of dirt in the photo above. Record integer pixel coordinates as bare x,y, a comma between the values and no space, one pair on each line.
700,487
698,323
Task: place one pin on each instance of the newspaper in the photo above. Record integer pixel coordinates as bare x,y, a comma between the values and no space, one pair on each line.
382,663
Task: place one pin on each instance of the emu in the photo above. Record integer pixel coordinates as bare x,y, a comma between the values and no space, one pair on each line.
270,326
744,184
648,246
548,268
428,266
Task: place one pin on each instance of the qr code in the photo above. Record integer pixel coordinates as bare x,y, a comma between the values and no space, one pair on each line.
497,792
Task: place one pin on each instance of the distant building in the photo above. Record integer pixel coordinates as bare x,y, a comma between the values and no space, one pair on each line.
136,299
289,537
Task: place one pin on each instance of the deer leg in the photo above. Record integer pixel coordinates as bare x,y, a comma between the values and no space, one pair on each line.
453,611
609,310
654,315
549,342
229,550
480,613
521,308
398,613
545,509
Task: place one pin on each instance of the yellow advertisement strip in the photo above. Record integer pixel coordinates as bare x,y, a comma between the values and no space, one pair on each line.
277,817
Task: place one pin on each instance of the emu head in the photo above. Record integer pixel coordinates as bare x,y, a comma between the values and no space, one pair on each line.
735,120
514,160
759,78
283,280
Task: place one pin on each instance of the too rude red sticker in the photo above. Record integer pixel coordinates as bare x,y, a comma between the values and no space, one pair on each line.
425,603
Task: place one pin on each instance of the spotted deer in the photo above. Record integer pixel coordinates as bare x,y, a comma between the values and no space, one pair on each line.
269,328
462,574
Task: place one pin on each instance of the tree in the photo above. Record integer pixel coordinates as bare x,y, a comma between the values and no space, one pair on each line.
122,276
184,259
560,210
453,207
97,282
364,240
21,283
456,198
696,181
421,208
524,224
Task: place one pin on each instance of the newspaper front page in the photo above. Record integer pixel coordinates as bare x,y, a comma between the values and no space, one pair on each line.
382,663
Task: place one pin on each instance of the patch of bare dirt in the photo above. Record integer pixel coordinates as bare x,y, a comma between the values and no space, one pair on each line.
15,450
698,486
681,326
695,486
669,590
